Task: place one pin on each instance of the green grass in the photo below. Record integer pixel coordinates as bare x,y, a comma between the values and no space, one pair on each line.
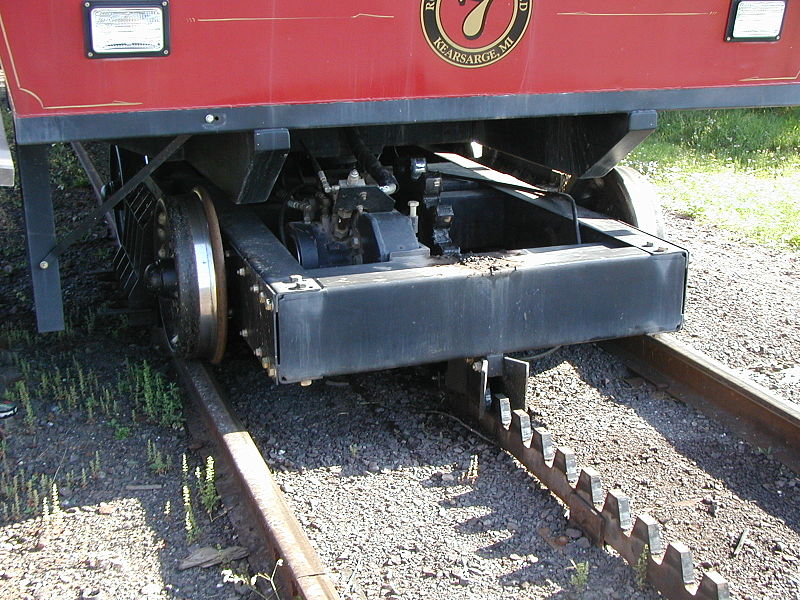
739,169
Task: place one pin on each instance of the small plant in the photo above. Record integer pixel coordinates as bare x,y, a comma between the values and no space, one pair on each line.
55,503
641,567
190,523
207,487
158,399
23,396
471,474
252,582
158,462
580,578
121,432
94,466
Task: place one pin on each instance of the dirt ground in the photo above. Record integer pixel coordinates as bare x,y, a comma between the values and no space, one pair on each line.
92,481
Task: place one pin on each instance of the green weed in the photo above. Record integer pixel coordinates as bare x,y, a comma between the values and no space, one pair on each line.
158,399
580,578
206,486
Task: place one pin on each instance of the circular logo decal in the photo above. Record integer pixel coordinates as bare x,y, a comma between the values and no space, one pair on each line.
474,33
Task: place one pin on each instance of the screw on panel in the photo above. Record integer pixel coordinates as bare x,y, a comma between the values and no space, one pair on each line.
90,54
210,118
44,265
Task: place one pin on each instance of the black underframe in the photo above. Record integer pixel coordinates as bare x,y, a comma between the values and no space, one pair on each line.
34,133
68,128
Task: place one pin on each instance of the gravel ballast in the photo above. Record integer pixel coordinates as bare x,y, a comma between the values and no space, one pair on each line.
402,501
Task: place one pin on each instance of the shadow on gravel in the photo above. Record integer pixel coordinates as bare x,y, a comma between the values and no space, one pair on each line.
747,471
365,454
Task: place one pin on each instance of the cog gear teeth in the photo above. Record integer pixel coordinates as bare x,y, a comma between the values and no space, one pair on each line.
713,585
669,569
647,532
542,442
590,486
504,405
521,423
565,462
617,509
678,558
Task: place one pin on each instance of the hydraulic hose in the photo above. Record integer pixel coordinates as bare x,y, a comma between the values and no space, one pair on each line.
380,174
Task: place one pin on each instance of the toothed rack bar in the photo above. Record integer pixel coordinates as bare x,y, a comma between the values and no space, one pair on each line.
604,518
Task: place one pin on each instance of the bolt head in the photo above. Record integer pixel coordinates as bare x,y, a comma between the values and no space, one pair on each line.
244,333
258,352
254,288
477,365
209,118
241,271
44,265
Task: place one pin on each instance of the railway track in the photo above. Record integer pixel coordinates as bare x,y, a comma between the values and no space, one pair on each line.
490,394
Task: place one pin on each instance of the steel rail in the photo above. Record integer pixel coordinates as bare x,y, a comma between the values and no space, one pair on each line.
301,573
746,408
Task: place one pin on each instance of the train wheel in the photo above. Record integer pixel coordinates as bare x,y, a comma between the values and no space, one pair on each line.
623,194
188,275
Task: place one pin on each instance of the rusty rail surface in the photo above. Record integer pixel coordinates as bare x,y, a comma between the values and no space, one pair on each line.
749,410
301,574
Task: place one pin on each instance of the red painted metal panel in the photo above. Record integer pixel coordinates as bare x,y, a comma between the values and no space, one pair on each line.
256,52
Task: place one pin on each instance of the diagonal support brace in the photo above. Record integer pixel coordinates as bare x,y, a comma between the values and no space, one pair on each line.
87,223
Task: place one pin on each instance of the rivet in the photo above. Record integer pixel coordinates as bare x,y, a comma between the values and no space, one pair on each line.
44,265
209,118
90,54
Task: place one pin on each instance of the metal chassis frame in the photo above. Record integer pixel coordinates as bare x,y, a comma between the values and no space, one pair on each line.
384,315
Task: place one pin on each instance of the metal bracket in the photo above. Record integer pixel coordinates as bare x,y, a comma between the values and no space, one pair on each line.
6,164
